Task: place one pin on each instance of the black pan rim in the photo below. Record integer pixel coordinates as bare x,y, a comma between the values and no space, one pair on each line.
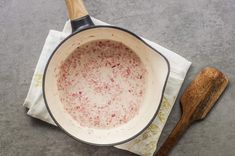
157,110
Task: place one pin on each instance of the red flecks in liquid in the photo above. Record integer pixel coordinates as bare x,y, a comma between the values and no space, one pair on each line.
102,84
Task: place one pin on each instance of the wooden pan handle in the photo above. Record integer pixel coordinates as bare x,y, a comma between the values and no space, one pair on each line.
76,9
174,137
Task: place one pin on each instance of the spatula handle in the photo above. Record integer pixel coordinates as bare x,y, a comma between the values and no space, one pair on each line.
174,137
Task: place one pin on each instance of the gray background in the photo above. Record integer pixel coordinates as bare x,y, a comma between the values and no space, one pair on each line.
203,31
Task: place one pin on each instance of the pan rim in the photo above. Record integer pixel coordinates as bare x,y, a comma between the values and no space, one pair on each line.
162,92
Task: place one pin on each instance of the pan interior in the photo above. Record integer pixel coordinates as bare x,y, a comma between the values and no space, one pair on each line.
154,63
102,84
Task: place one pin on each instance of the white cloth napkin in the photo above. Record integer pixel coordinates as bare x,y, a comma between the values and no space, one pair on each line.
144,144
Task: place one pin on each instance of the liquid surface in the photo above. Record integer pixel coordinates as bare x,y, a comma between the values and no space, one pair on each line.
102,84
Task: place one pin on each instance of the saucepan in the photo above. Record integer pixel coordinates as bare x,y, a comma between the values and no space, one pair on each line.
75,124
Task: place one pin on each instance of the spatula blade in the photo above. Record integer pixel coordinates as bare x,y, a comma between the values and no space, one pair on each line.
203,92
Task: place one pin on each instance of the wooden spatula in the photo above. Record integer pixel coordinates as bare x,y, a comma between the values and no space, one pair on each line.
196,102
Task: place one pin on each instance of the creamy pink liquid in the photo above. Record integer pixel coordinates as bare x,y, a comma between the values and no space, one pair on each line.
102,84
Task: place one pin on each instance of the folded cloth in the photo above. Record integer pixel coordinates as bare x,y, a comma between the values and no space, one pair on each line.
145,143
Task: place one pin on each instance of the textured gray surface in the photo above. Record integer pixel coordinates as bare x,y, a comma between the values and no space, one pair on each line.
203,31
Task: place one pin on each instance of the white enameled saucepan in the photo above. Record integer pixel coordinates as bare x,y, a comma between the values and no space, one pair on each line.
84,31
